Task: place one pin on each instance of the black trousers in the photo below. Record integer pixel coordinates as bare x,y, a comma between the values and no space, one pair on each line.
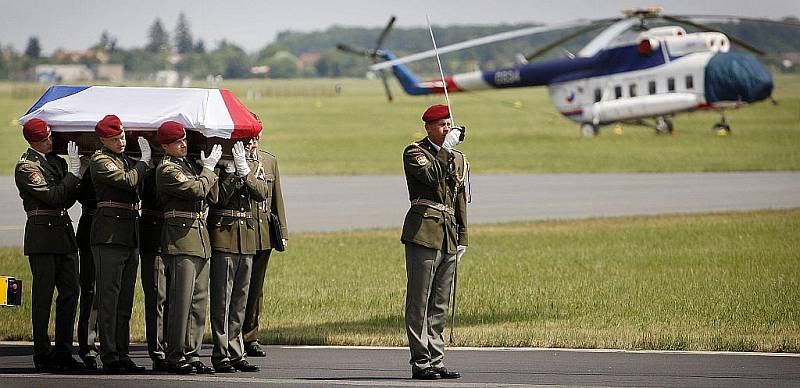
87,318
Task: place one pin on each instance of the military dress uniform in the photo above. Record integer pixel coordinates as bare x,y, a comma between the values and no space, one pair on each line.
435,225
87,318
185,188
47,191
232,230
115,239
268,186
153,270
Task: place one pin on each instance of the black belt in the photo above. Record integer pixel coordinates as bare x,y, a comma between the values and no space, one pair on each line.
230,213
47,212
180,214
118,205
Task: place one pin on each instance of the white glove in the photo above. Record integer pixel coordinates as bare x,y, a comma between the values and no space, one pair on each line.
451,140
145,147
230,168
74,159
242,169
460,251
211,161
285,243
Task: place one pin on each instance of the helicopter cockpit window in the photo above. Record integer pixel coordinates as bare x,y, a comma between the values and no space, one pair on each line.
689,82
670,84
651,87
632,90
617,91
598,95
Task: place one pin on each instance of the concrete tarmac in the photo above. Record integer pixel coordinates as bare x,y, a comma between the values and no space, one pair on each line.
329,203
293,366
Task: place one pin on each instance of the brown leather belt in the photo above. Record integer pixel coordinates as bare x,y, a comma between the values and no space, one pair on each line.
230,213
47,212
434,205
118,205
180,214
152,213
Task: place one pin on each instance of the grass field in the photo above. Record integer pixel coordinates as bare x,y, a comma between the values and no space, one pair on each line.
315,131
728,281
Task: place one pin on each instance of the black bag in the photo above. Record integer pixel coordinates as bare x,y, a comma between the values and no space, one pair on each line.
275,233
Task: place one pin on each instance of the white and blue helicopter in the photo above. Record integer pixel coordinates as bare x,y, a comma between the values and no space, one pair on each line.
629,73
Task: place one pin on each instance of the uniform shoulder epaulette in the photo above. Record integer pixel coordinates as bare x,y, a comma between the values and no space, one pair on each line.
98,154
269,153
412,146
166,161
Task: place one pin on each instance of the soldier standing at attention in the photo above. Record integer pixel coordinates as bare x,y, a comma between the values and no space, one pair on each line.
48,188
154,276
267,186
434,231
185,189
115,239
233,241
87,319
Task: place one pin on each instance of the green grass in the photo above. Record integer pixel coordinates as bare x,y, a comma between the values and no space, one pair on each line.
316,132
724,281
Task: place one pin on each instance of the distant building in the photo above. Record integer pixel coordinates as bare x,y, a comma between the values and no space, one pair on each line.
63,73
168,78
113,73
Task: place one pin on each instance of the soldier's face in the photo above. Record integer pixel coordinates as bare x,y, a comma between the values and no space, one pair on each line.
45,146
114,143
177,148
437,130
252,145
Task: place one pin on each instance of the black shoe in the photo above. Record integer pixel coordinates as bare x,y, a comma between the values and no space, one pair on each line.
67,363
201,368
224,367
253,349
44,364
90,362
181,368
245,366
426,374
447,374
113,367
160,365
131,366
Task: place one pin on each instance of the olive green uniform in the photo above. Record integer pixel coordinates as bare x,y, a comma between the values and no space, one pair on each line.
185,189
434,226
232,230
268,186
115,239
154,276
87,318
47,191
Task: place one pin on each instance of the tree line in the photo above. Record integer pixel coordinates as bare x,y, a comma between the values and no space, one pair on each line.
313,54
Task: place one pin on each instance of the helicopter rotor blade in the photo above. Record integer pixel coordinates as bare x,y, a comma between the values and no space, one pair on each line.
386,85
482,41
348,48
561,41
385,32
703,27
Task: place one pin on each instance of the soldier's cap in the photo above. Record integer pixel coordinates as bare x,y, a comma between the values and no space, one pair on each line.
35,130
436,112
109,126
169,132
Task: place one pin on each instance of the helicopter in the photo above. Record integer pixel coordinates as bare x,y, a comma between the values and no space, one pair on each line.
631,72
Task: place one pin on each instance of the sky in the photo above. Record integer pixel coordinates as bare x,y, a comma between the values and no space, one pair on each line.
77,24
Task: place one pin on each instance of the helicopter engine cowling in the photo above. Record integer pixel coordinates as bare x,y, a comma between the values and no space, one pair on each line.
698,42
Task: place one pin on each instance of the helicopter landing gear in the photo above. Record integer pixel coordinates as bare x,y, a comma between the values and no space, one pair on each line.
722,128
589,129
663,125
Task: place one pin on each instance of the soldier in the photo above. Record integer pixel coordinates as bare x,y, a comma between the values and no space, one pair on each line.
48,188
87,319
233,241
154,276
115,235
185,189
434,231
268,186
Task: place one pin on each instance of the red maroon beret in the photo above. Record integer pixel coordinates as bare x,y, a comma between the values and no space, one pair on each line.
169,132
436,112
35,130
109,126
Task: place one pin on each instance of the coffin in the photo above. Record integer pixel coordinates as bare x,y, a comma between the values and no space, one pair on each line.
210,116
